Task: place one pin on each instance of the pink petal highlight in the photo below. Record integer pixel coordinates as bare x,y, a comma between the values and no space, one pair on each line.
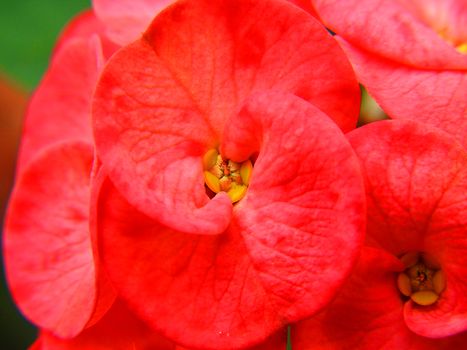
49,262
84,26
126,20
446,17
388,29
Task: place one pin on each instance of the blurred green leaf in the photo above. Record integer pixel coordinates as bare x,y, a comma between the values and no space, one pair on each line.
28,30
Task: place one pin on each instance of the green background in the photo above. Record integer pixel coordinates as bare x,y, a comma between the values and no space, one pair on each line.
28,31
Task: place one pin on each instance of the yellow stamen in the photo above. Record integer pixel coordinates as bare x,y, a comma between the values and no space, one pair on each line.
210,159
424,297
462,48
212,182
403,283
439,282
423,280
410,259
245,172
237,192
225,175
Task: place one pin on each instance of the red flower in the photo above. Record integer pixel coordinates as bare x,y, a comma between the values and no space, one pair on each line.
410,55
209,77
416,181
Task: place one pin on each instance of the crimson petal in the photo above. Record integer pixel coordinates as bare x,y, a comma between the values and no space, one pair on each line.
48,256
305,197
60,107
162,102
119,329
416,179
126,20
367,314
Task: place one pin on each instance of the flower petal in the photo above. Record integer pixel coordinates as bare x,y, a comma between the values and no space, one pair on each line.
84,26
60,107
305,192
199,290
416,179
118,330
430,96
126,20
408,168
447,18
390,30
48,258
367,314
162,102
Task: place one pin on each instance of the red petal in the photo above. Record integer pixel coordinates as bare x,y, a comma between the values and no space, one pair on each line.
118,330
305,191
367,314
416,181
307,6
163,101
48,257
446,17
221,291
388,28
60,107
126,20
431,96
199,290
85,26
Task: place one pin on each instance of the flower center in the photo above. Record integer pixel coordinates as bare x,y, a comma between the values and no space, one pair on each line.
222,174
462,48
459,46
423,280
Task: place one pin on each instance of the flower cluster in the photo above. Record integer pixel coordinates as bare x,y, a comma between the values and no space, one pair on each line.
191,176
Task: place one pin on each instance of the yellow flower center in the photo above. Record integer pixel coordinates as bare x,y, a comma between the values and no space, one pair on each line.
462,48
222,174
423,280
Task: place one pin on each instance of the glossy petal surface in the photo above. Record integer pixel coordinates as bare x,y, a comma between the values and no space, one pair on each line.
367,314
49,263
163,101
416,180
284,254
126,20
